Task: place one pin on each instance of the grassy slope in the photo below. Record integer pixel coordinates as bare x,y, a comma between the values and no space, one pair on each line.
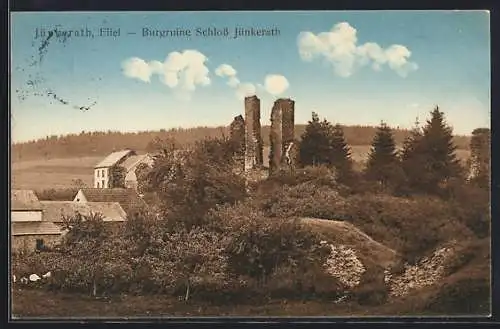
340,232
53,173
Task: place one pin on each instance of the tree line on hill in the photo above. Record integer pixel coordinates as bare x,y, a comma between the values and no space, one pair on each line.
102,143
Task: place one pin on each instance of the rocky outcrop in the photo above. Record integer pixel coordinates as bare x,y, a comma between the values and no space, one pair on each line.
425,273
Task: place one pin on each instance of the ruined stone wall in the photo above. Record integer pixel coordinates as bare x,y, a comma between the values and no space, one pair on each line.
253,138
282,131
237,134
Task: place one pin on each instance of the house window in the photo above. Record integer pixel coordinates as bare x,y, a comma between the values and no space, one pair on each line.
103,184
39,244
102,173
98,185
98,173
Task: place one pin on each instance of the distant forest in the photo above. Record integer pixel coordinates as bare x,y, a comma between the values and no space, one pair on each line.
102,143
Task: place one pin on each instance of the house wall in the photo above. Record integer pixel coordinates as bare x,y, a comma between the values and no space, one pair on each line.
101,178
28,242
131,177
26,216
80,197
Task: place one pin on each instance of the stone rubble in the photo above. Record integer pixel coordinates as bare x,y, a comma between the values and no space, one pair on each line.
425,273
344,265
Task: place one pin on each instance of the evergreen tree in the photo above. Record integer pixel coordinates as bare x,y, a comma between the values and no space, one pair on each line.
383,164
412,157
340,155
315,144
437,148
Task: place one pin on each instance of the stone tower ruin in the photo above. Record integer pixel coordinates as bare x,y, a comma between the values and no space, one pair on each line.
237,134
253,138
282,132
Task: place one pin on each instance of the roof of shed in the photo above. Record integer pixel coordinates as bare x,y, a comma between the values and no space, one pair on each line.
128,198
24,200
53,211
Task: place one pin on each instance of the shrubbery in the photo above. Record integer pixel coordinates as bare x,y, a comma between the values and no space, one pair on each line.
268,256
413,227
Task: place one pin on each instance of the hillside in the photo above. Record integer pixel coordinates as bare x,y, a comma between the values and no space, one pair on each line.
345,233
88,144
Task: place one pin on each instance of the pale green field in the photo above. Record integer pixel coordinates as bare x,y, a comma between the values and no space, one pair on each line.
52,173
61,173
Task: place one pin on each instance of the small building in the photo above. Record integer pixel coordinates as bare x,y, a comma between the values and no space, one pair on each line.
127,159
25,206
31,236
29,232
128,198
54,211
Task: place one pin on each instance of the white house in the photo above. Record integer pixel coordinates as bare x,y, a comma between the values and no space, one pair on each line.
127,159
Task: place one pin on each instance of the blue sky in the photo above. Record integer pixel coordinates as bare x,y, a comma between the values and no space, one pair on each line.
350,67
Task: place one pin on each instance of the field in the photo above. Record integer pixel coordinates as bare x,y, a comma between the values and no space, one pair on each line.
26,305
52,173
61,173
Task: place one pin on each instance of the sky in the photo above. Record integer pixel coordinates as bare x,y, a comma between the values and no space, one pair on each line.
351,67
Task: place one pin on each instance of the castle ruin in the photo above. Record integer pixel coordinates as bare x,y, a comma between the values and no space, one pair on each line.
282,132
237,135
253,138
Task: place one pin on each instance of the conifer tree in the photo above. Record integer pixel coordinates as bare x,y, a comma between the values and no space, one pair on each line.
383,164
340,154
412,158
437,148
315,143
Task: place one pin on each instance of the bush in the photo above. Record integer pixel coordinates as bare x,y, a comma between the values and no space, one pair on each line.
23,265
302,200
317,175
310,283
471,204
372,289
466,252
258,245
413,227
466,292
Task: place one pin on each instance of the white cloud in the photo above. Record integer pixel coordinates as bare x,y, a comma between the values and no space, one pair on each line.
233,82
181,70
225,70
137,68
339,48
242,90
275,84
245,89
